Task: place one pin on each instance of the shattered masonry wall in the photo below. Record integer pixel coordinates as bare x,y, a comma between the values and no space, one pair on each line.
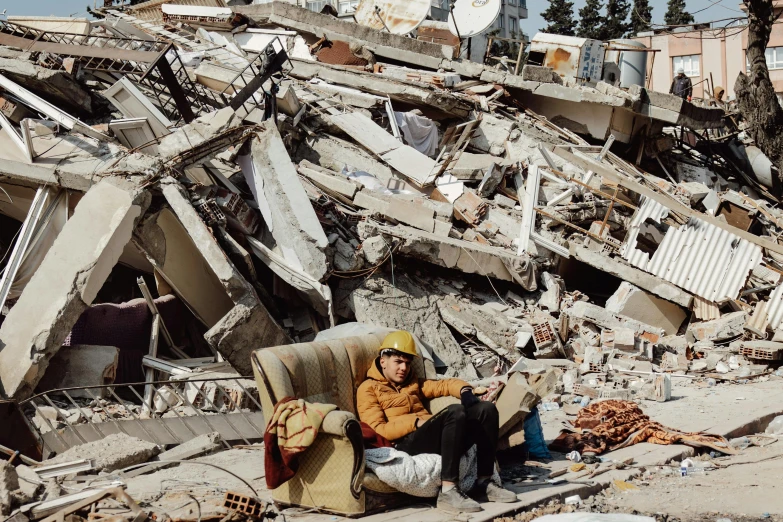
66,283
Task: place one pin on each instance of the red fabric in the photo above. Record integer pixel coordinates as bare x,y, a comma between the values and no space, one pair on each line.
279,467
372,439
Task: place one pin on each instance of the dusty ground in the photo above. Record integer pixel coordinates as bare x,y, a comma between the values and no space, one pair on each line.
743,488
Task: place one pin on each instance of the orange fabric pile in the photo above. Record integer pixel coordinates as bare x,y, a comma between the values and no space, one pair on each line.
611,424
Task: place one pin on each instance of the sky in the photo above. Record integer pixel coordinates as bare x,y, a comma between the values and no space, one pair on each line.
709,10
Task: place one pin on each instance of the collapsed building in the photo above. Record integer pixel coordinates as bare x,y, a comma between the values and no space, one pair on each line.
184,185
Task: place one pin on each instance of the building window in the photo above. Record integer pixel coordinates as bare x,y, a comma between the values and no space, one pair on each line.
316,5
347,8
512,2
501,22
690,64
774,56
512,24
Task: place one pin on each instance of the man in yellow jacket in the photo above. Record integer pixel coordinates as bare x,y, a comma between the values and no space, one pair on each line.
392,403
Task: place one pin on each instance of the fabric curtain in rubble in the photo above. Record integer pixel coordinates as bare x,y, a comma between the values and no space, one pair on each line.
419,132
291,430
612,424
523,271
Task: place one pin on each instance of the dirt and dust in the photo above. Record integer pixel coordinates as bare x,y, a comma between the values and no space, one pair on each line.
740,488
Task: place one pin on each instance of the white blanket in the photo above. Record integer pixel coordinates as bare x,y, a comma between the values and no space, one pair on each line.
419,475
419,132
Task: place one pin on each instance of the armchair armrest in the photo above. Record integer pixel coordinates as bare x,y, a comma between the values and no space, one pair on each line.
337,422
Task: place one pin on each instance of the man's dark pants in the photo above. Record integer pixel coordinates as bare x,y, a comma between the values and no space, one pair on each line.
452,432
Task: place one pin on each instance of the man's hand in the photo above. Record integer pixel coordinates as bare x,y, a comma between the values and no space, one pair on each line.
690,98
467,397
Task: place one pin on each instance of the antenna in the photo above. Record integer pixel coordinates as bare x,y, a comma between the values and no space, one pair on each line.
394,16
471,17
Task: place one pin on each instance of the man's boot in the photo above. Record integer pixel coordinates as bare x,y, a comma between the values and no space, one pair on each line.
491,492
455,501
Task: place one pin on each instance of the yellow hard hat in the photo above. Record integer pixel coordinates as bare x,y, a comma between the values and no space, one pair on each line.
401,341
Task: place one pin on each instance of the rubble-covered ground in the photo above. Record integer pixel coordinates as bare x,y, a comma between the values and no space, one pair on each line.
183,185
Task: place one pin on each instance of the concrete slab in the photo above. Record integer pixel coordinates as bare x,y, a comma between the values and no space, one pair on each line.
327,182
635,303
58,87
633,275
466,256
114,452
418,94
397,47
606,319
247,325
66,283
272,178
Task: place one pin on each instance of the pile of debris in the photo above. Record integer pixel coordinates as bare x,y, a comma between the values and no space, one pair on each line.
271,172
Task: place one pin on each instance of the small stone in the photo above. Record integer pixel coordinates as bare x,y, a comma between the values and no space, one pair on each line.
375,249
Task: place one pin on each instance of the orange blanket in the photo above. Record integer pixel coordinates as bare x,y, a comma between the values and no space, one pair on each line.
611,424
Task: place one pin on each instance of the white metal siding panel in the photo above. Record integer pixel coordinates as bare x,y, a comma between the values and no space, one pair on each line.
699,257
775,307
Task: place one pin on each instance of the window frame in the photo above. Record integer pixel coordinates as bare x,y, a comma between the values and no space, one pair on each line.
689,70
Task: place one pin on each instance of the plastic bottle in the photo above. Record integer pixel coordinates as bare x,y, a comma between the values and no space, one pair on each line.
740,443
585,401
711,382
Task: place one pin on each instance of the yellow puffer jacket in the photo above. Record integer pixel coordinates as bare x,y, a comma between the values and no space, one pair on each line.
392,410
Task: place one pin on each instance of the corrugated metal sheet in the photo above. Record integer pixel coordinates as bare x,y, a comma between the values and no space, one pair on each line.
699,257
758,321
775,308
705,310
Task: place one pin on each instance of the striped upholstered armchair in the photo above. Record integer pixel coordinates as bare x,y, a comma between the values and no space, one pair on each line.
331,474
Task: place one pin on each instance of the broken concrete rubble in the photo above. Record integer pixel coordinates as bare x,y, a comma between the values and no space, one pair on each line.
404,305
527,250
113,453
290,218
637,304
72,273
726,327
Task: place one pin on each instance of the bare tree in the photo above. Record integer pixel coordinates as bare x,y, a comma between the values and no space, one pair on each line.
756,98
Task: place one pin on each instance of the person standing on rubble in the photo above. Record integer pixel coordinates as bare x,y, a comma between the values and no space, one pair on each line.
392,403
681,86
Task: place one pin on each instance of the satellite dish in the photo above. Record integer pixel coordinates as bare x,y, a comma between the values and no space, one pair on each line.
472,17
394,16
